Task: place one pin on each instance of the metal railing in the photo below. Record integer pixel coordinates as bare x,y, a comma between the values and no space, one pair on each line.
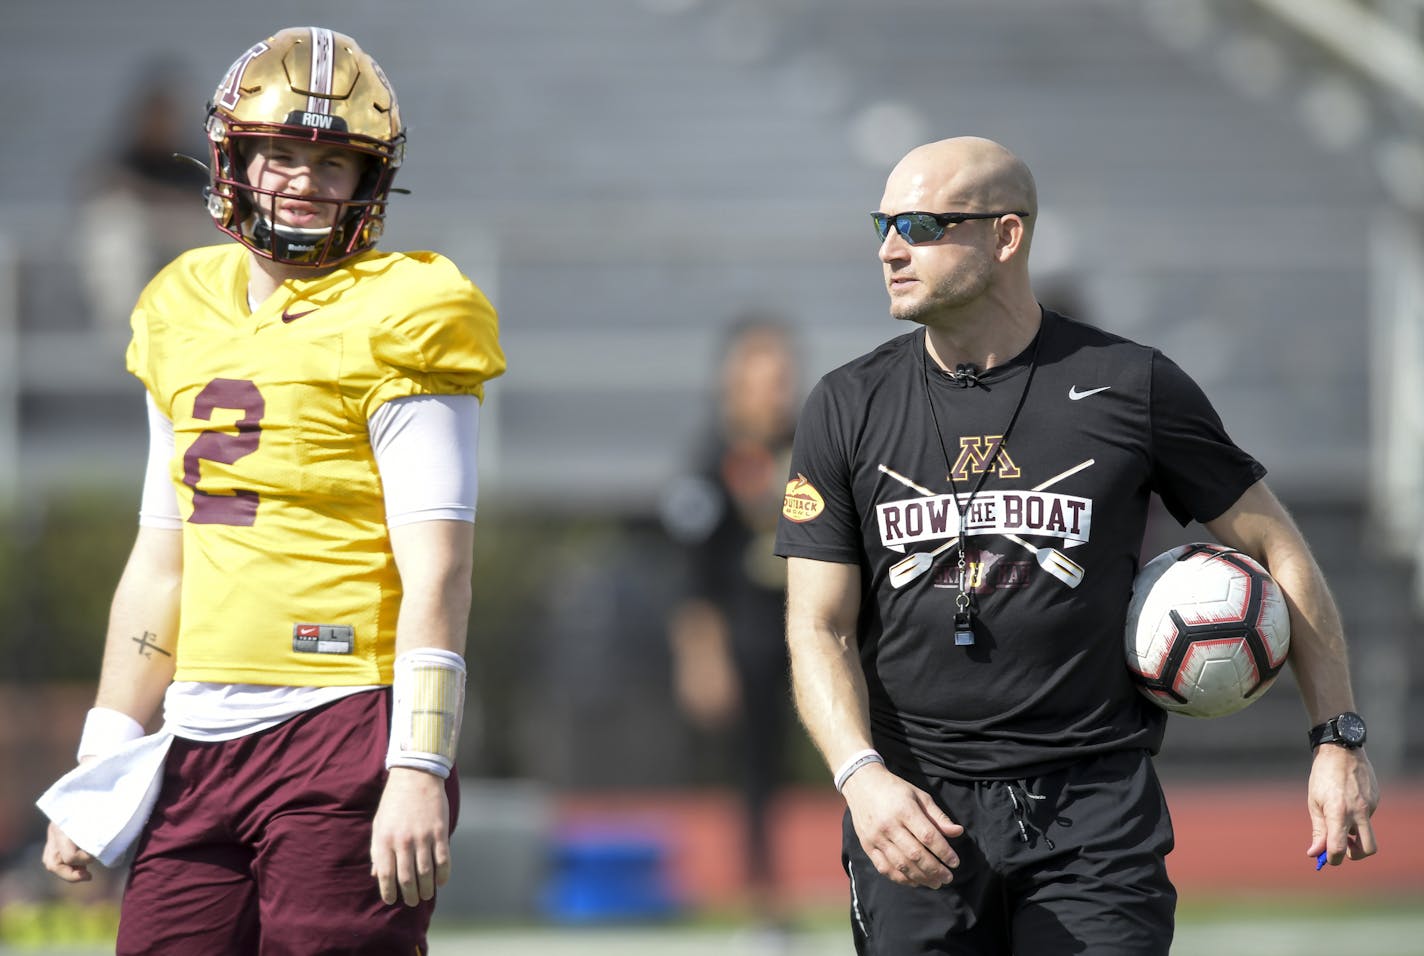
1397,399
1382,43
10,386
1378,39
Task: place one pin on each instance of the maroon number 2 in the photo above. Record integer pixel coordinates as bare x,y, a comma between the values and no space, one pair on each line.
225,448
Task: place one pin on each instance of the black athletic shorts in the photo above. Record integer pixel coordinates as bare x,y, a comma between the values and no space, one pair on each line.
1073,861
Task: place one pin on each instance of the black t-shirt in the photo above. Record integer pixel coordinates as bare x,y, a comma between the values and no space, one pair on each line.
1045,680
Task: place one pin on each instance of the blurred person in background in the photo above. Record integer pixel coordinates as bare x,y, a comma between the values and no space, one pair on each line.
978,716
730,673
297,597
144,206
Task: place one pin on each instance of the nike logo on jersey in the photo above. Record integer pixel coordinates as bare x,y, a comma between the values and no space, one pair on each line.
1076,395
293,316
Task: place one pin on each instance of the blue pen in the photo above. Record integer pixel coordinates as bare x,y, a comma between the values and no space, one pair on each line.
1320,861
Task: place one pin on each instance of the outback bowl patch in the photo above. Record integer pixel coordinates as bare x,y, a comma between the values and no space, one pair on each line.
802,502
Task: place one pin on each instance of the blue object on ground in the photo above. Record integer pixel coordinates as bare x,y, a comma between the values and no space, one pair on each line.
609,876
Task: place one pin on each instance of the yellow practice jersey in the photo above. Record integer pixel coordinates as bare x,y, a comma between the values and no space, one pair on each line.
288,576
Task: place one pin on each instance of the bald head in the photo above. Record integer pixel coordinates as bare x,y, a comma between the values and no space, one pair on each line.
964,174
975,277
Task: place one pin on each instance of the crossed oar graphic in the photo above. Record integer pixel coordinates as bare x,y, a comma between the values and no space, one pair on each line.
1052,560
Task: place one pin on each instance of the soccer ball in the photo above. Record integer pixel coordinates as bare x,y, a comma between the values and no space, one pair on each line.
1207,630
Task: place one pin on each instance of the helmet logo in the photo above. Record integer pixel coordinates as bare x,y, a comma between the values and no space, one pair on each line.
390,90
230,89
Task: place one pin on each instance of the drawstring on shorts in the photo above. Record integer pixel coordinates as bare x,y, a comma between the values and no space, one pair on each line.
1020,796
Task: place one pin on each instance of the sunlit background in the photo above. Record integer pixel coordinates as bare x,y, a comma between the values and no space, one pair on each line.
1239,182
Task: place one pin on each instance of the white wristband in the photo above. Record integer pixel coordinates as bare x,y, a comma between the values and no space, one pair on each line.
854,762
106,730
427,703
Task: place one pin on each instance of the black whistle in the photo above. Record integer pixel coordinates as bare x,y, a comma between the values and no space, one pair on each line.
963,628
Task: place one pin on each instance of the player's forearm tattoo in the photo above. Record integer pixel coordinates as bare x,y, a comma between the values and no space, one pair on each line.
146,647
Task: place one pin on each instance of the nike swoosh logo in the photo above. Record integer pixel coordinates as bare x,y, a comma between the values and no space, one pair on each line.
293,316
1076,395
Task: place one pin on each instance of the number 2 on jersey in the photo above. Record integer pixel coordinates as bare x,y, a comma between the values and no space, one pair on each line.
239,508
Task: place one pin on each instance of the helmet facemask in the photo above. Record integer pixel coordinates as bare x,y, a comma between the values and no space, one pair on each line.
312,86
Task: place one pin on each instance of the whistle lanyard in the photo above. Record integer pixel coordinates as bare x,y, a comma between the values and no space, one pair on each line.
963,601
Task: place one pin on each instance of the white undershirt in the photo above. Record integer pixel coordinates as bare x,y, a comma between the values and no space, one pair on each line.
426,452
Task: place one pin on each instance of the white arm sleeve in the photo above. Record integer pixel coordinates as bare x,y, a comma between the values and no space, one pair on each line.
426,451
159,506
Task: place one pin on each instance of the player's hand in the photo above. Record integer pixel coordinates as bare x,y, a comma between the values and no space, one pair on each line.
1343,795
902,830
64,859
410,837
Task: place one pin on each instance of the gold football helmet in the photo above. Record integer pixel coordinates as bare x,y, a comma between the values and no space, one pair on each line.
314,85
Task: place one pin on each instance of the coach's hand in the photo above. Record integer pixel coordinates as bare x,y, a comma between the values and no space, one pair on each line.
901,829
410,838
64,859
1343,795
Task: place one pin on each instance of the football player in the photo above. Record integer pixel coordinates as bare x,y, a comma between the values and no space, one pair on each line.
297,596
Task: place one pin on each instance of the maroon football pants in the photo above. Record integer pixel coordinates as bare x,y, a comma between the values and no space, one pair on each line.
262,845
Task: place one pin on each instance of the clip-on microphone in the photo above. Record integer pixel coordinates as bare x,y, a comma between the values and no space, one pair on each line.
965,375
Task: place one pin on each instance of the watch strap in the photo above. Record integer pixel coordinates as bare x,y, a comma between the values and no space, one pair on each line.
1322,733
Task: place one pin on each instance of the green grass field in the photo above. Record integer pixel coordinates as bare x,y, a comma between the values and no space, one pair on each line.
1260,927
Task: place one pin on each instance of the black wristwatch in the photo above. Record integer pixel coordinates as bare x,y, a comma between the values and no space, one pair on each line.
1347,730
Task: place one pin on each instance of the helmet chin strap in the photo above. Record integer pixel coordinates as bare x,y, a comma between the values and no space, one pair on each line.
288,243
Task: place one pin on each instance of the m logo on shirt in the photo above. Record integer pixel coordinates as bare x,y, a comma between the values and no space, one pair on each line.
976,453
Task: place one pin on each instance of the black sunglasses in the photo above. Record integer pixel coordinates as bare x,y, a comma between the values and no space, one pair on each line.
918,227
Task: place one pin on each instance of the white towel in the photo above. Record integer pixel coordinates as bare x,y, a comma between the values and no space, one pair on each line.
103,805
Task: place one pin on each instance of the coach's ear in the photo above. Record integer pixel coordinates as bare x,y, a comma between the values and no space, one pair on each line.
1011,236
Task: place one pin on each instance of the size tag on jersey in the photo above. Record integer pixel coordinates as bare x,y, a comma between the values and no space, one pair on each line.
323,638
